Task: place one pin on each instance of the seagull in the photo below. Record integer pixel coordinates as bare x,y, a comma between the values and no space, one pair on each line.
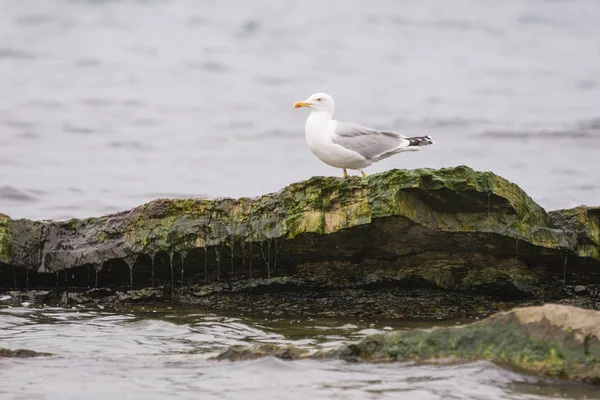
350,146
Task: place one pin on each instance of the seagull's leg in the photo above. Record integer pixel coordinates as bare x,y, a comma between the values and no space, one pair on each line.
363,173
345,173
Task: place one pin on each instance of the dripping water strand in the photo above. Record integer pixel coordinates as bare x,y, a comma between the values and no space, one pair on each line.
152,256
489,195
277,250
130,265
183,256
266,258
218,257
205,265
243,245
250,234
172,274
269,255
231,247
565,271
250,258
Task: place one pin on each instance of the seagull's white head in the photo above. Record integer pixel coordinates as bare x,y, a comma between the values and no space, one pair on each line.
318,102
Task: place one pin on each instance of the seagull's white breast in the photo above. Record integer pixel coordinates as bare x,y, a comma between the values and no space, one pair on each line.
319,130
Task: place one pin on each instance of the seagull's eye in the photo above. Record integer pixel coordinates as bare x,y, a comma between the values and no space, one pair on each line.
319,99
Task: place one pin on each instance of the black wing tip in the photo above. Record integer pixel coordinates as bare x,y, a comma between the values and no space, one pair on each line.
421,140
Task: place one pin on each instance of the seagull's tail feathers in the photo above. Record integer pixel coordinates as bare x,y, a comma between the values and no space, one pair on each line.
420,141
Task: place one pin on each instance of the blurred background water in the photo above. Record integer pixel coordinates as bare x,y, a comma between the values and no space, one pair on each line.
108,104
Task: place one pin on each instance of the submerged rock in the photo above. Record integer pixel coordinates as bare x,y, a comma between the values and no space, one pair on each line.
20,353
552,340
473,240
241,353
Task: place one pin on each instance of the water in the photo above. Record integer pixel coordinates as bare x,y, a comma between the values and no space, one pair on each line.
158,354
108,104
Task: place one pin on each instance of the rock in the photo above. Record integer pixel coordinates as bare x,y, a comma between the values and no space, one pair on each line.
21,353
240,353
580,289
552,340
470,242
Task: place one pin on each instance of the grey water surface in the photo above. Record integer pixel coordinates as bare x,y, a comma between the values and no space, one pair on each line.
105,105
150,354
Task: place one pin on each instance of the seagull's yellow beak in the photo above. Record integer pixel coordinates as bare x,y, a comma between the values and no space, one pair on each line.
301,104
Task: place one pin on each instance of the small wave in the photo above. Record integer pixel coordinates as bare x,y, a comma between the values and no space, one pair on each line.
442,24
210,66
593,123
244,125
267,135
539,19
451,122
35,20
168,195
87,62
558,135
44,104
28,136
110,102
555,135
16,54
18,124
586,84
249,28
197,20
588,130
14,194
129,145
271,80
80,130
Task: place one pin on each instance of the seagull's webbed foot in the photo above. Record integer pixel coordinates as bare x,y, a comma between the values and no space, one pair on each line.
345,173
364,174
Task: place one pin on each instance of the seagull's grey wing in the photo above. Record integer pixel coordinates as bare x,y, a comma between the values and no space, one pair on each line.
369,143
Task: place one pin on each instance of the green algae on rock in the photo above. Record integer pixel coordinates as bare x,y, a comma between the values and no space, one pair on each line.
555,341
454,230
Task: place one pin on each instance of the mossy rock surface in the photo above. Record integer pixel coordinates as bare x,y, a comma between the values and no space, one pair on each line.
555,341
453,229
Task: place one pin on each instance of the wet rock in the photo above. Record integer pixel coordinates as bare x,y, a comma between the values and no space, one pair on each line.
146,295
240,353
454,231
21,353
552,340
580,289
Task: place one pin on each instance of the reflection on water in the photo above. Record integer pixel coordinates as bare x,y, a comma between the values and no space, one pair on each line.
107,103
156,354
